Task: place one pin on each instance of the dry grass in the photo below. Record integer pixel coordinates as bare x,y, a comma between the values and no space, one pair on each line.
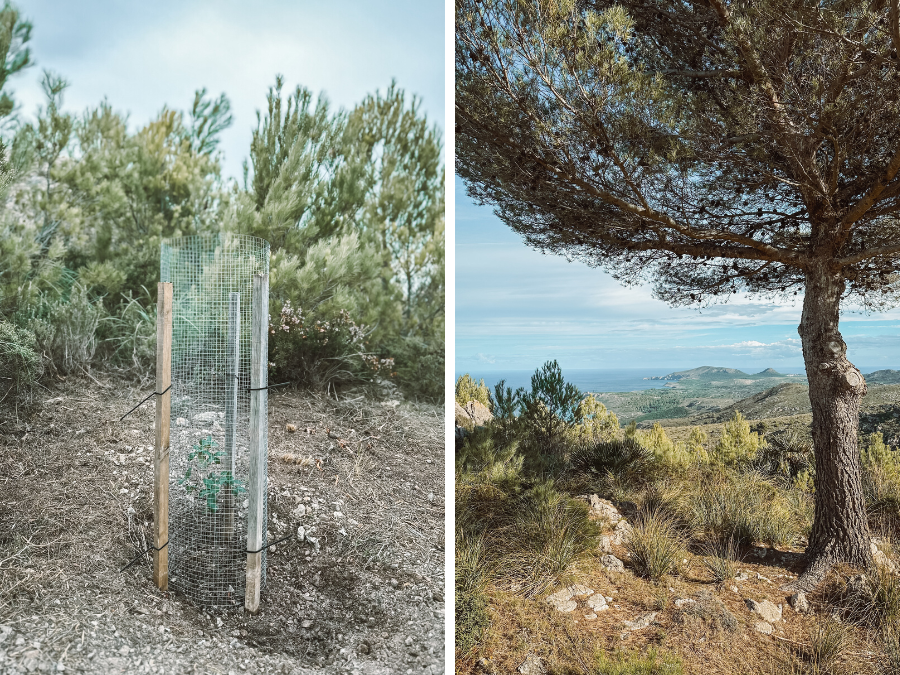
75,506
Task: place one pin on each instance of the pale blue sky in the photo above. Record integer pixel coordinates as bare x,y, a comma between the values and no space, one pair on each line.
517,308
142,55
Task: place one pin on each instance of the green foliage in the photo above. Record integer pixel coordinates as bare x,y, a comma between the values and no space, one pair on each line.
551,408
20,364
881,475
507,402
205,483
622,458
595,424
655,545
467,390
418,366
66,329
737,443
719,557
351,203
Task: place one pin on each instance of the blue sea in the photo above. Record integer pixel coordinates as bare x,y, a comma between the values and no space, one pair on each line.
614,379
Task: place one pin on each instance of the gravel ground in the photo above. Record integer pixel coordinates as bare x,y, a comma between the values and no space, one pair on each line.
361,592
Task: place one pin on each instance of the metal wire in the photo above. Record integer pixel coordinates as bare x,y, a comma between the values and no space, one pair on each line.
211,278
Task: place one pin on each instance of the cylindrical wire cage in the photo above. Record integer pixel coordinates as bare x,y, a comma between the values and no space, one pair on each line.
209,464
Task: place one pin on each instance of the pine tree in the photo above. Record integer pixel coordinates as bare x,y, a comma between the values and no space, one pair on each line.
707,148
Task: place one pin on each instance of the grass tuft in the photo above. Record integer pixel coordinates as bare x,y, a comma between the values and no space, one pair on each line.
655,545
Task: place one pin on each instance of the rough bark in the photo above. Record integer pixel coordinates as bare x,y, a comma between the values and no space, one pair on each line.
840,530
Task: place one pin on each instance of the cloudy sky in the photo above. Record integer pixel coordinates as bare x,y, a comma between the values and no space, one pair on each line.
517,308
144,55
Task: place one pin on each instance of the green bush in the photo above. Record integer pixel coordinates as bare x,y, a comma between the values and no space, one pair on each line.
595,423
128,336
737,443
20,364
322,353
418,368
625,458
467,390
66,329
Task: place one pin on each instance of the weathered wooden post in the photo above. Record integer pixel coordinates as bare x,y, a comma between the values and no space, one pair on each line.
161,450
259,403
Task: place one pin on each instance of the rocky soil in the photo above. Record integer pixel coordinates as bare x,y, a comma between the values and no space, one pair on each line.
358,588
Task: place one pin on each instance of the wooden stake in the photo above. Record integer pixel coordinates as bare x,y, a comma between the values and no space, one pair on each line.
232,369
161,449
259,401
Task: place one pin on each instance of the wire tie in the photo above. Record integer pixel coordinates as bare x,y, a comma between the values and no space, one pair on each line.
155,393
278,541
143,553
271,386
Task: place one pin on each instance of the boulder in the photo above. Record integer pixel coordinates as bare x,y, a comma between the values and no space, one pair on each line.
612,563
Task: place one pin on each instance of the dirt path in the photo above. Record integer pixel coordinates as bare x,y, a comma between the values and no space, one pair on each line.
363,592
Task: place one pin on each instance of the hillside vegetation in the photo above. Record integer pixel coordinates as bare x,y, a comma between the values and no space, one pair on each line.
586,546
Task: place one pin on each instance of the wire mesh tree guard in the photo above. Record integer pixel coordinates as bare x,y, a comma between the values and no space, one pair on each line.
210,463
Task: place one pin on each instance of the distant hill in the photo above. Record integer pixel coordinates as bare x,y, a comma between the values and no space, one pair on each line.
716,373
790,398
700,373
883,377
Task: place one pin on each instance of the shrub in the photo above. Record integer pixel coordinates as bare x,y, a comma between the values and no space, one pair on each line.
551,408
737,443
655,545
322,353
128,336
20,365
66,329
485,459
595,424
467,390
874,599
418,368
742,507
663,448
625,458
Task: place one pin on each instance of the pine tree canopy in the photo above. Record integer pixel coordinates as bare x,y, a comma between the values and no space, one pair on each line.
713,147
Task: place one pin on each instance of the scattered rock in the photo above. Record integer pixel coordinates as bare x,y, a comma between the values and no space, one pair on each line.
681,602
640,622
759,552
597,603
290,428
533,665
306,623
765,610
741,576
182,422
763,627
799,602
603,509
208,416
562,600
612,563
579,589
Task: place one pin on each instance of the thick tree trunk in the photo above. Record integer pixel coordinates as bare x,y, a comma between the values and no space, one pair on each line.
840,531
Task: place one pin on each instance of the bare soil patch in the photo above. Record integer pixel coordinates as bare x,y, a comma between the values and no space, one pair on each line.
363,591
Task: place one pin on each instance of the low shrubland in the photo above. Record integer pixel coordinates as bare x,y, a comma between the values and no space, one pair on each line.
696,509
